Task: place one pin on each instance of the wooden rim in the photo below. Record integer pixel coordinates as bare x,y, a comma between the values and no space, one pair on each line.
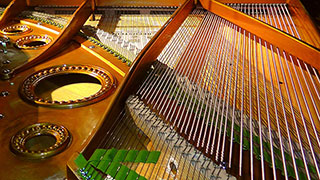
23,42
60,133
15,30
105,78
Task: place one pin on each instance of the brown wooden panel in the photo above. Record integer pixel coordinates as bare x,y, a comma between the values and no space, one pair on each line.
5,2
74,25
14,8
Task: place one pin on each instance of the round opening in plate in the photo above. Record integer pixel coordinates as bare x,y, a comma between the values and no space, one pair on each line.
33,41
67,87
40,142
15,30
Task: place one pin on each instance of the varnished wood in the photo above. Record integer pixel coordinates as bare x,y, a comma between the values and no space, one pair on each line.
73,26
82,122
12,10
292,45
302,17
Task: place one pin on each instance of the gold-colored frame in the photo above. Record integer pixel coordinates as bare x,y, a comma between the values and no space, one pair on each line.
105,78
18,30
21,43
60,133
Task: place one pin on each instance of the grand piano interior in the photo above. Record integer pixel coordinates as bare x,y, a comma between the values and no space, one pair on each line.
149,89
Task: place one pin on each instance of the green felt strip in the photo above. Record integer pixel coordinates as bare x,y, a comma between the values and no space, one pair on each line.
142,178
302,176
153,157
276,150
291,172
90,170
256,139
122,173
94,174
132,175
246,133
98,153
79,173
312,169
94,163
266,157
278,163
245,144
98,177
142,156
299,163
121,154
103,165
109,155
131,156
256,150
87,168
80,161
113,168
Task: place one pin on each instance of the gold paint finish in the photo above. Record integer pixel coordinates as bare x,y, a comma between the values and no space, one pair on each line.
40,141
33,41
29,87
15,30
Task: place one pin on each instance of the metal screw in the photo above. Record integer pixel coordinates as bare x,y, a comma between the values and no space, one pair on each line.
1,116
223,165
4,93
6,71
39,23
6,61
92,46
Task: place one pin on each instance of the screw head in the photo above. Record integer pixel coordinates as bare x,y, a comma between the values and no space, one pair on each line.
92,46
1,116
6,71
4,94
6,61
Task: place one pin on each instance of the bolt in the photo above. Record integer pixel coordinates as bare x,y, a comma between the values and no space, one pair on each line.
6,71
223,165
4,93
6,61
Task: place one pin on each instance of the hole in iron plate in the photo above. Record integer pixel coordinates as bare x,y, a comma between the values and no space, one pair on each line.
65,87
40,142
35,43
